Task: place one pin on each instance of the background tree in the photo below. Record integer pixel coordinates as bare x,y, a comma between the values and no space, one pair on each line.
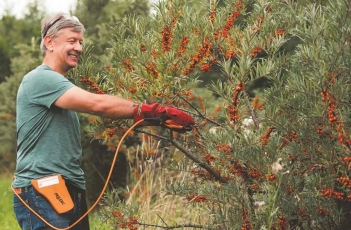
29,57
17,31
19,54
100,16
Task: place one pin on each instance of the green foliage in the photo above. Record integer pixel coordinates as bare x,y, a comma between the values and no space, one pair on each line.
17,31
276,161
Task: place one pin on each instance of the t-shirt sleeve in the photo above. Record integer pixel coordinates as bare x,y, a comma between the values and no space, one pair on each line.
45,88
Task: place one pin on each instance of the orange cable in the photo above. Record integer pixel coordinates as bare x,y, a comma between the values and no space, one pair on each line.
101,194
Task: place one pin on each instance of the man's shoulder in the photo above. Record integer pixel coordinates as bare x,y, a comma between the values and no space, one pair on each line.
40,70
42,74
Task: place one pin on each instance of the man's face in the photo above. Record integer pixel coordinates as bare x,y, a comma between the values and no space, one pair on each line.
67,47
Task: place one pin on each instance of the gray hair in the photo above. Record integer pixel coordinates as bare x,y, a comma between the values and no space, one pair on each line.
51,25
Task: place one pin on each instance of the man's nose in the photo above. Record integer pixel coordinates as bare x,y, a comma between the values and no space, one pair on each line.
78,47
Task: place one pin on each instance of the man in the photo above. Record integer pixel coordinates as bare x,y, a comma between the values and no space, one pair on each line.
48,135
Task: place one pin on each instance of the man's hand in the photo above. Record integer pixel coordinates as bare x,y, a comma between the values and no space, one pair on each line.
165,116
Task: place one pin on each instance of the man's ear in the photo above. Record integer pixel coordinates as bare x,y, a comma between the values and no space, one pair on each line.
48,41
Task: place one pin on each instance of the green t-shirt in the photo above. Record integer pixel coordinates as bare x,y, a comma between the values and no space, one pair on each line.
48,137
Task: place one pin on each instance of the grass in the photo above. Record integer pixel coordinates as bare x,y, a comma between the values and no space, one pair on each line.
156,205
7,216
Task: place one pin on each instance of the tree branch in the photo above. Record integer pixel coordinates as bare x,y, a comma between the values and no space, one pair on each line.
196,160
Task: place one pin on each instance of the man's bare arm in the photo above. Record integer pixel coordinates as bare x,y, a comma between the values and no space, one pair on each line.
102,105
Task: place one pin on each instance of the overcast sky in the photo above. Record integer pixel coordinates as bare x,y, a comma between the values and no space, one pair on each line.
19,7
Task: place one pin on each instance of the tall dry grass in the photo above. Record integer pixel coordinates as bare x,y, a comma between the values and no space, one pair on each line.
148,200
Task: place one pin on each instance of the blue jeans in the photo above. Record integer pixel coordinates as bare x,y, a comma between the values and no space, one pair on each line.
29,221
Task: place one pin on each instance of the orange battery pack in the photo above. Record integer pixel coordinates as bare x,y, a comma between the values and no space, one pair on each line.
54,189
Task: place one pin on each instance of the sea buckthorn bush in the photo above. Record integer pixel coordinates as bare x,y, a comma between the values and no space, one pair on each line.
268,83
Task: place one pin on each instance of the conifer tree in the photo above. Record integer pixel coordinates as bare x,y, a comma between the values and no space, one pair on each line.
28,59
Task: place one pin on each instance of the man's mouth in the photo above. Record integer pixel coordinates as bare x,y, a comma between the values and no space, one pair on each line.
73,56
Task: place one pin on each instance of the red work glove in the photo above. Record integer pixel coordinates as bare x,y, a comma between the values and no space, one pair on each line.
165,116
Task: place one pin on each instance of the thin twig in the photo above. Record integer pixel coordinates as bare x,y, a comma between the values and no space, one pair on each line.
199,113
251,109
173,227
